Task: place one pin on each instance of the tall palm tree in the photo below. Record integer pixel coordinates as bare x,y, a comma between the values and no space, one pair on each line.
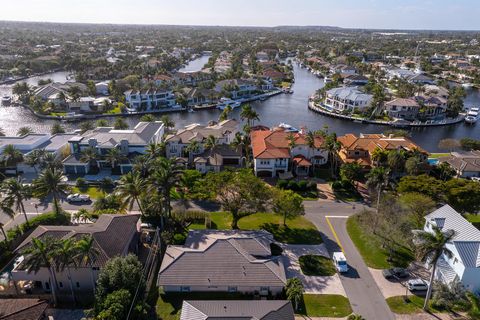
225,113
50,161
114,157
11,156
310,140
396,161
167,122
143,165
131,187
249,114
211,143
35,158
332,146
15,193
82,215
87,254
155,150
429,248
243,141
51,182
291,141
41,254
64,258
192,148
91,156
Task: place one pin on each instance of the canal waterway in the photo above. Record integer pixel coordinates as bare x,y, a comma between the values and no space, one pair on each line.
287,108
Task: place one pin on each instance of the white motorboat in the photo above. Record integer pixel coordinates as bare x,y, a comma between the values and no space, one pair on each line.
287,127
467,85
472,115
224,102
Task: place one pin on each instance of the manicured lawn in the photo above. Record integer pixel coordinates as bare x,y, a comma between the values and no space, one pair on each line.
473,219
414,304
347,194
370,248
298,231
313,265
169,305
115,110
438,155
93,192
325,305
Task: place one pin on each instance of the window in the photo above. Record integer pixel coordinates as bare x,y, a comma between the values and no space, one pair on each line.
263,288
185,289
357,153
78,284
232,289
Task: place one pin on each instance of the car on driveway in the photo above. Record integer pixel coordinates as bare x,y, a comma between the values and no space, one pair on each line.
76,197
395,273
417,285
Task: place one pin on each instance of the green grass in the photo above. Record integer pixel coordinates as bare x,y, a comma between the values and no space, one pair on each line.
325,305
93,192
370,248
474,219
58,114
347,194
115,110
169,305
414,304
313,265
438,155
298,231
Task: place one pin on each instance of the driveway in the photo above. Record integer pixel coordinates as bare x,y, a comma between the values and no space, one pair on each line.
330,218
311,284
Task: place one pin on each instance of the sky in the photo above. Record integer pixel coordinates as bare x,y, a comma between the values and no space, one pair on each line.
379,14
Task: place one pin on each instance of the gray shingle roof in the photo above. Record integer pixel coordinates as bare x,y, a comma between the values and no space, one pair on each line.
106,136
223,258
467,237
237,310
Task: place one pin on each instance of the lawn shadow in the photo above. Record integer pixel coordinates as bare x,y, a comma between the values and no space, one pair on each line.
289,235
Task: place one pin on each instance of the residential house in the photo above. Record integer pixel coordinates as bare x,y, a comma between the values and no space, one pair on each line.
273,76
113,235
355,80
464,263
102,87
343,69
274,153
191,78
219,157
436,91
262,56
198,96
237,88
50,90
420,78
163,79
345,99
466,164
360,148
230,260
224,133
237,310
141,100
399,73
432,107
402,108
130,142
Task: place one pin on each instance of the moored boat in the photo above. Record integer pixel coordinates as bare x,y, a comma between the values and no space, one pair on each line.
224,102
472,115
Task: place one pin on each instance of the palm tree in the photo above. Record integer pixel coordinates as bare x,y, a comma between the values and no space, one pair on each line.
15,193
114,157
90,155
225,113
82,215
87,254
143,165
101,123
333,146
155,150
64,257
50,161
62,97
130,188
35,158
51,182
11,156
243,141
23,131
210,143
192,148
167,122
86,126
291,141
249,114
41,254
379,156
294,290
395,161
310,140
429,248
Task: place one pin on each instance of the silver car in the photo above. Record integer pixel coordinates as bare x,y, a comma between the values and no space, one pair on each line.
417,285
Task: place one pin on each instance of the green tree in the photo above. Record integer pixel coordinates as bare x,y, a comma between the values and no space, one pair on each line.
51,183
351,171
120,124
238,192
225,113
294,291
23,131
86,254
115,306
15,193
86,126
102,123
444,171
413,165
131,188
423,184
192,148
114,157
11,156
418,206
91,156
148,118
167,122
249,114
64,258
463,195
396,161
430,247
35,158
288,204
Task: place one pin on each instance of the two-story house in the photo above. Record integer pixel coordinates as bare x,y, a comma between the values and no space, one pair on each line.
464,264
237,88
278,151
130,142
402,108
347,99
465,164
142,100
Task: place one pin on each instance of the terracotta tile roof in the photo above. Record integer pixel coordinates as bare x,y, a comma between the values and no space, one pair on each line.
370,142
301,161
274,144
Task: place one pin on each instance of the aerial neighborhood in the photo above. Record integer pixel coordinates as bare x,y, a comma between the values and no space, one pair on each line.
277,173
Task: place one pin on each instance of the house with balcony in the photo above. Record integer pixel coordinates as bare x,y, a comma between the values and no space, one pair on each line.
151,99
432,107
402,108
237,88
464,263
278,152
177,142
229,260
218,158
130,142
347,99
360,148
113,235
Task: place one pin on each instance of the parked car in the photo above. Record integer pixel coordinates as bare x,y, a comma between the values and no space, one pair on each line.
395,273
417,285
76,197
340,262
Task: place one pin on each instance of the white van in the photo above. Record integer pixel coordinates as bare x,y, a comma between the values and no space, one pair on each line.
340,262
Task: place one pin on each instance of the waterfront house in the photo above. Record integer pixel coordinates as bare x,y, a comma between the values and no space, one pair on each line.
278,152
142,100
237,310
198,96
163,79
113,235
466,164
432,90
432,107
347,99
130,142
400,73
464,264
420,78
230,260
360,148
343,69
191,78
224,133
237,88
402,108
273,76
49,91
219,157
355,80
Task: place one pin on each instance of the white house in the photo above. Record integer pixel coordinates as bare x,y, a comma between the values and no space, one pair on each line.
141,100
347,99
273,153
464,265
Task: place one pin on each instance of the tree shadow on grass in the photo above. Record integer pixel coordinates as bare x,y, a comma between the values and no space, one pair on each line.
293,235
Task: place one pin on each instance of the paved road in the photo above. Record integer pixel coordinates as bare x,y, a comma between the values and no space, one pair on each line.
360,287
